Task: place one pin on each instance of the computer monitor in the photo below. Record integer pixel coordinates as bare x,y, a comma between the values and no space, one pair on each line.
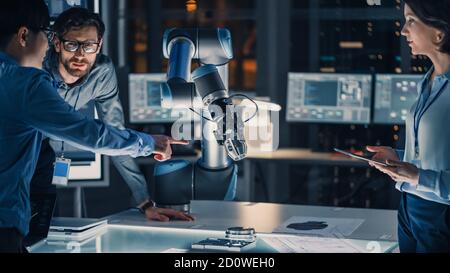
394,96
87,169
145,101
56,7
329,98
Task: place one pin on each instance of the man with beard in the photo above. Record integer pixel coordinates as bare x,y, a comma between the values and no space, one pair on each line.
83,75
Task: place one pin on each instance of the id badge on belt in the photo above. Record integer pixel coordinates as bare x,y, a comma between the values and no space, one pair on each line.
61,171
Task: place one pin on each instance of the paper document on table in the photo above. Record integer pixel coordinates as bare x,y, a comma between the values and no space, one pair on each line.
323,227
299,244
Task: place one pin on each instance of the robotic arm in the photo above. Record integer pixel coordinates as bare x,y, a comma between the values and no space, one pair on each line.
214,177
212,48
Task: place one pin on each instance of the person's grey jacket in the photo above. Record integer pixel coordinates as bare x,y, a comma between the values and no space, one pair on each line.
101,87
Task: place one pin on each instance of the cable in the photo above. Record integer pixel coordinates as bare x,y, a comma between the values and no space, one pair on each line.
231,97
201,115
254,102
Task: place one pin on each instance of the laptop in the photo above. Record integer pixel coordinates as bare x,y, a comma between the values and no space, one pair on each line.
75,229
42,208
63,224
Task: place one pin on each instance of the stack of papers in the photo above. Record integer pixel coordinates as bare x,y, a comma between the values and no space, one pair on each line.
303,244
75,229
316,235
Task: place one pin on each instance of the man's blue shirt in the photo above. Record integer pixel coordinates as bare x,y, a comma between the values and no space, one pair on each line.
30,107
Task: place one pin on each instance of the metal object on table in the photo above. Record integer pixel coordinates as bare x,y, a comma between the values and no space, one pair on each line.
241,234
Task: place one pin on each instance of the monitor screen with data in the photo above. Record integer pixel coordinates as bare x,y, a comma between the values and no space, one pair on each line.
329,98
145,101
394,96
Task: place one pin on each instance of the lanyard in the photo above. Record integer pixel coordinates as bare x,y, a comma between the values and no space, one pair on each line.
421,108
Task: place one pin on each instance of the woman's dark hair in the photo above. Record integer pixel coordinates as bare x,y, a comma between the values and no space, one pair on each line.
15,14
434,13
78,18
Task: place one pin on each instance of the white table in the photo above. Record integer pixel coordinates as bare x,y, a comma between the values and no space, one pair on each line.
130,232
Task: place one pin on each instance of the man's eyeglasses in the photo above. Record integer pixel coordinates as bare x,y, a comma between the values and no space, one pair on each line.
49,32
73,46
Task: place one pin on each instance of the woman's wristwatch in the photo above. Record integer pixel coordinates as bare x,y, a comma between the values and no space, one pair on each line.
147,205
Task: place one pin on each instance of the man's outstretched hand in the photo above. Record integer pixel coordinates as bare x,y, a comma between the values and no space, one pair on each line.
163,149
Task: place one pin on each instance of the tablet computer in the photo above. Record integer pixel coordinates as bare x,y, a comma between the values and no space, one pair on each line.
361,157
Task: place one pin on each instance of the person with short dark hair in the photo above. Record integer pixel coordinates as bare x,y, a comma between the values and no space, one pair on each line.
34,16
78,18
422,170
84,75
30,108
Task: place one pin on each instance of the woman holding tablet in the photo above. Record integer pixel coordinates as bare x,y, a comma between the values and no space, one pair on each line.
422,170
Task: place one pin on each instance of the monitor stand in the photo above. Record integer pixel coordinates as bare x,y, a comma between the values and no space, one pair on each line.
79,205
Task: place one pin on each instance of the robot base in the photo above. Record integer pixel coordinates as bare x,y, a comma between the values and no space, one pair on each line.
178,182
